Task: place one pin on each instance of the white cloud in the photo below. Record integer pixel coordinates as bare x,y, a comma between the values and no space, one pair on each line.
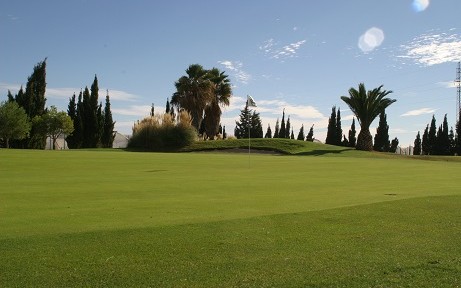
433,48
418,112
447,84
237,71
273,50
371,39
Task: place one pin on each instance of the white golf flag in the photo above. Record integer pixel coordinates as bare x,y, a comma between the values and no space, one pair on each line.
250,101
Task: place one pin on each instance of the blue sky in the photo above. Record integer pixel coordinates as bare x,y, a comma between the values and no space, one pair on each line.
300,56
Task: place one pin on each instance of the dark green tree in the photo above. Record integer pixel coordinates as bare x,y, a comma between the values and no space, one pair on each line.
282,131
301,135
345,142
74,137
367,105
339,130
292,136
288,128
14,123
33,101
352,133
108,135
310,135
452,142
417,145
248,123
331,130
382,143
224,134
152,110
432,137
394,145
167,107
268,132
425,148
277,129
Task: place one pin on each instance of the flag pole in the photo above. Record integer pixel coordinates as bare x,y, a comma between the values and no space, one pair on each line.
250,103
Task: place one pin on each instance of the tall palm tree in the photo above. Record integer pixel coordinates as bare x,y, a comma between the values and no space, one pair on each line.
193,93
367,105
222,94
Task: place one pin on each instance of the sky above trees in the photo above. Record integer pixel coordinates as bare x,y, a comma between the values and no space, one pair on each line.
300,56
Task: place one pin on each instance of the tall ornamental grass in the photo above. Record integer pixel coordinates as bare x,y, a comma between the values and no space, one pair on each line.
163,133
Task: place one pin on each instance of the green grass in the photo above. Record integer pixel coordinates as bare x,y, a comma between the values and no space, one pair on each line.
116,218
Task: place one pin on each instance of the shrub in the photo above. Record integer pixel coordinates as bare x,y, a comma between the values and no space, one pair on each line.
162,133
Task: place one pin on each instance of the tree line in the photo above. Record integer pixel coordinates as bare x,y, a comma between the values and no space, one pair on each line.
25,122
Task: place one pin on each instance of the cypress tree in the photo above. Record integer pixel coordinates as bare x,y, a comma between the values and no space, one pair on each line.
444,142
292,134
417,145
268,132
451,141
282,132
310,135
276,132
425,148
331,132
95,115
288,129
152,110
167,107
382,135
87,118
352,133
339,130
301,135
72,113
432,137
108,134
224,134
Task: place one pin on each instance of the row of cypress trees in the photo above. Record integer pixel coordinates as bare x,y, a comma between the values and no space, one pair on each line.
335,132
93,126
441,141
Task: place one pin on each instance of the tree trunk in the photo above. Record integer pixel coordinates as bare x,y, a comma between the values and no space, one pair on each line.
364,140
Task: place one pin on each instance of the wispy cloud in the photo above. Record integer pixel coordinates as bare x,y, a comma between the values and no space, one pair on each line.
274,50
418,112
133,110
65,93
433,48
236,68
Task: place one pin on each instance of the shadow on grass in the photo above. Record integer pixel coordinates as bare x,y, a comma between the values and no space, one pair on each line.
321,152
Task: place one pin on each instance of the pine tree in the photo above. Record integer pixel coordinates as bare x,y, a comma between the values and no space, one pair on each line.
292,136
282,131
339,130
277,129
256,126
352,133
310,135
425,148
108,135
444,141
241,127
268,132
331,132
95,115
382,135
288,129
417,145
301,135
